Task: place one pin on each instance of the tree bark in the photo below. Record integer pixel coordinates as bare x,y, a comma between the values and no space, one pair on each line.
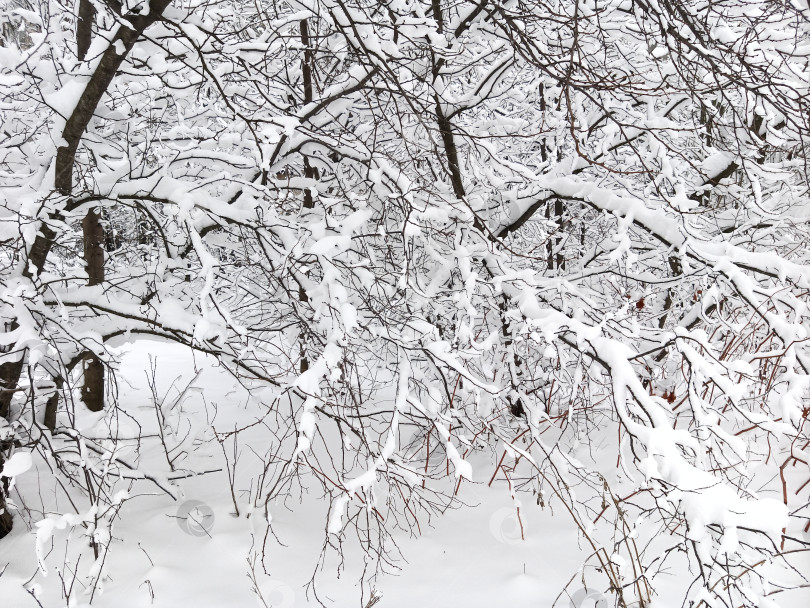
93,233
84,28
74,130
309,172
9,377
5,517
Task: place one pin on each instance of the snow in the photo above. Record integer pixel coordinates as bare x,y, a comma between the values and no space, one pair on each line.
451,562
400,388
18,464
151,553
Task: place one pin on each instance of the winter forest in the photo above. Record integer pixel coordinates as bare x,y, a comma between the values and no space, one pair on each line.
405,303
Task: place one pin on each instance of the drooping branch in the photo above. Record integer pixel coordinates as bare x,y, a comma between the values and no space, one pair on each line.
75,128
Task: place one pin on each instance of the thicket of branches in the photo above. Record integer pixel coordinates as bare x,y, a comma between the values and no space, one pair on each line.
418,231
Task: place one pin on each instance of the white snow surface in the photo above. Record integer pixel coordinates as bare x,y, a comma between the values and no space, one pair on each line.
471,556
18,464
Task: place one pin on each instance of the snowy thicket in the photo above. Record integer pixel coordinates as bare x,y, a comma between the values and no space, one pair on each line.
556,245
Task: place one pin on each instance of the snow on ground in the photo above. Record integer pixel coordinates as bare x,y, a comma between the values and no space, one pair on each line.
472,556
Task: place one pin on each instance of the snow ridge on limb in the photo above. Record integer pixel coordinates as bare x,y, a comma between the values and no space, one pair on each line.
561,243
667,229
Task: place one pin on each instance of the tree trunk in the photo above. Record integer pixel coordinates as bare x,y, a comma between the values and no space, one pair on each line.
309,173
5,517
52,405
93,234
74,130
84,28
93,386
9,377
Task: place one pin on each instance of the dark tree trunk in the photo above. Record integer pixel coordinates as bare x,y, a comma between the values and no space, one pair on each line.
93,386
92,230
74,130
5,517
309,172
555,260
51,407
10,371
9,377
84,28
93,234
